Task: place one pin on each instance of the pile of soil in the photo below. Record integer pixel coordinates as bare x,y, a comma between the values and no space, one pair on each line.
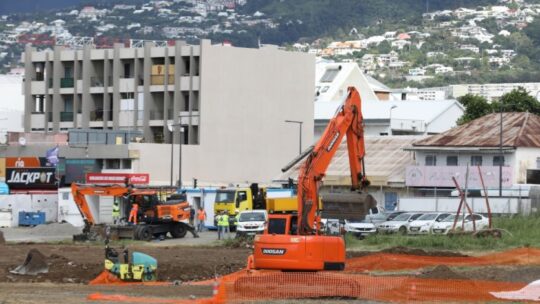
442,272
421,252
82,263
527,274
55,229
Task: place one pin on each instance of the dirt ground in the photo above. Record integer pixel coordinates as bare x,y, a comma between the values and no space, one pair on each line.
72,266
82,263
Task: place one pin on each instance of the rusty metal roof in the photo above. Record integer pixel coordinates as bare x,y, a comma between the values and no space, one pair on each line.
520,129
385,162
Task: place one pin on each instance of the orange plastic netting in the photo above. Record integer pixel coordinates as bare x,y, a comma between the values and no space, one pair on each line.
264,285
302,285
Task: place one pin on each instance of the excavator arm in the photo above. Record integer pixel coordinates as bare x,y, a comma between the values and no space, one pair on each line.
348,121
79,196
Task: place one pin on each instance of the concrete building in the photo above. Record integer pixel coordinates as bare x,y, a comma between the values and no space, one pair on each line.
490,91
11,104
231,104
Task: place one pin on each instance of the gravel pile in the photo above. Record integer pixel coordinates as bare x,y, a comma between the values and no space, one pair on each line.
55,229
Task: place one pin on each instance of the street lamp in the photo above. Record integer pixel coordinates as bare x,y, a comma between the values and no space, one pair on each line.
300,133
172,128
390,123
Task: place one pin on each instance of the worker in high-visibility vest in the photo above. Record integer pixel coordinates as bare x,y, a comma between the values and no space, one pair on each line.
201,217
115,211
133,214
224,223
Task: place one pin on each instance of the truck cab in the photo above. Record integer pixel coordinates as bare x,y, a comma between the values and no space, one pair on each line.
232,199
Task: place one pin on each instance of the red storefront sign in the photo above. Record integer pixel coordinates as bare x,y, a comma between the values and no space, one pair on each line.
118,178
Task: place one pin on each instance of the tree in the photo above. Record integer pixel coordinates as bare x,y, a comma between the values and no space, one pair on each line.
475,106
518,100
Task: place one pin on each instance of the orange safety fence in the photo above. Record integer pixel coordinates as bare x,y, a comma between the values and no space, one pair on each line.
264,285
304,285
387,261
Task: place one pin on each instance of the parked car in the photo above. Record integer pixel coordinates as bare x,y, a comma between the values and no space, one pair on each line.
400,223
376,215
360,229
445,225
393,215
423,224
251,222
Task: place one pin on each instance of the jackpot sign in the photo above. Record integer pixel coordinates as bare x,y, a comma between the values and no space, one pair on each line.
31,178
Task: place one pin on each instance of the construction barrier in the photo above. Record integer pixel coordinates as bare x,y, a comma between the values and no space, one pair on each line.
265,285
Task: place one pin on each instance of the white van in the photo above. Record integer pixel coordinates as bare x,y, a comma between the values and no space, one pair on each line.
251,222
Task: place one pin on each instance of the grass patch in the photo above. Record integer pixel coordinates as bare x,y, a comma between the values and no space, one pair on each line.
523,231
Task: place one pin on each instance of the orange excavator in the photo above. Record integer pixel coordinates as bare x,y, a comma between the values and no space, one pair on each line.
295,241
154,218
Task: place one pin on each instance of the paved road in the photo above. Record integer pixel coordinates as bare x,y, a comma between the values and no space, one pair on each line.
63,232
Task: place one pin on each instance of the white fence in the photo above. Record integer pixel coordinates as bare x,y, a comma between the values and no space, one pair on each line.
503,205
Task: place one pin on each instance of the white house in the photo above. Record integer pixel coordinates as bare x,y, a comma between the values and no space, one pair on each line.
477,143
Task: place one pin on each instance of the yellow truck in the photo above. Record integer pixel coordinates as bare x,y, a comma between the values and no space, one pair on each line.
234,200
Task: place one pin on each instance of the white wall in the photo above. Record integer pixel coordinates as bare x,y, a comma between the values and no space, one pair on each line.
445,121
47,203
477,204
525,158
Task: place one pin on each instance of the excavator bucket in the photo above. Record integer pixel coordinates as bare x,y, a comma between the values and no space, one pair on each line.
343,206
35,263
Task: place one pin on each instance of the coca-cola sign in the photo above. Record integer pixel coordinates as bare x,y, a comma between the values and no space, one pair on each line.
118,178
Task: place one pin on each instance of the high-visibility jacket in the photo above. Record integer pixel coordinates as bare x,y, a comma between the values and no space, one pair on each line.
236,218
116,210
201,215
223,220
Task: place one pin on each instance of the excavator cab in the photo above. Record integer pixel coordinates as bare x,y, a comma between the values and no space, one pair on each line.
282,224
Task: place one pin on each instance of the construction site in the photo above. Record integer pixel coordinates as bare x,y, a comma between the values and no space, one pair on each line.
310,247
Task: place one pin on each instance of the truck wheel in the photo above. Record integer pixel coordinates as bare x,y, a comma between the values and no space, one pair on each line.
145,233
136,231
178,230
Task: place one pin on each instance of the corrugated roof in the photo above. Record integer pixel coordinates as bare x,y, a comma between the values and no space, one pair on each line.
385,162
520,129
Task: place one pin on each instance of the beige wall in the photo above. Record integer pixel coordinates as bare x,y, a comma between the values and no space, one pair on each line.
246,94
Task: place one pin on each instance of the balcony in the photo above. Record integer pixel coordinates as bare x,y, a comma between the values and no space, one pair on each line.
97,81
96,115
66,116
67,82
156,115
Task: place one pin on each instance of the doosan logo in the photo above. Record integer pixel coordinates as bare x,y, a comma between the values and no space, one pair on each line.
274,251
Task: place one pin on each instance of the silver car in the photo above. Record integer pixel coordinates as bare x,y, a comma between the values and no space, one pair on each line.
400,223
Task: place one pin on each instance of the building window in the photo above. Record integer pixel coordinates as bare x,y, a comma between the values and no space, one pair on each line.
112,164
126,163
431,160
498,160
476,160
329,75
452,160
538,163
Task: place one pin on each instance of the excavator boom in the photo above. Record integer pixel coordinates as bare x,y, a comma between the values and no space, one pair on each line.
292,242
